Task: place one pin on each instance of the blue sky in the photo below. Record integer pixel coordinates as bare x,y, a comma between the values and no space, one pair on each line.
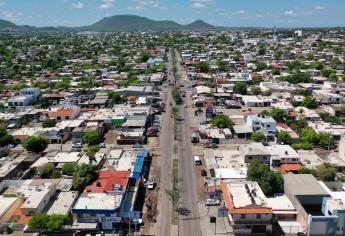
266,13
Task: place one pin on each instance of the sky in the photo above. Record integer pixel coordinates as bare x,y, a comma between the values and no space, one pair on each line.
231,13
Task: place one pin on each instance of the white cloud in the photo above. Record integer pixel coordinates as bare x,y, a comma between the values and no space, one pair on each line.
320,8
106,4
290,13
199,4
12,16
144,4
77,5
239,12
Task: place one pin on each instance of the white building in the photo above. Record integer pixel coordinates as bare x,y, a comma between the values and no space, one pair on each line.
264,124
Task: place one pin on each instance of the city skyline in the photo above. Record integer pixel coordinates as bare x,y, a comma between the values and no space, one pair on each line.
269,13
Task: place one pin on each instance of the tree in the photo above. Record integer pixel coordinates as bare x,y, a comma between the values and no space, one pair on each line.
91,138
285,137
255,90
241,88
326,172
258,136
278,114
203,67
5,138
326,139
221,65
145,56
307,171
46,170
39,221
268,181
36,144
310,102
69,168
48,123
56,221
308,135
222,121
115,98
84,176
256,79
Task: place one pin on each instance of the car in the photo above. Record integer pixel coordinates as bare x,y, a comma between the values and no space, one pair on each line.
101,145
205,122
77,145
212,202
203,172
137,145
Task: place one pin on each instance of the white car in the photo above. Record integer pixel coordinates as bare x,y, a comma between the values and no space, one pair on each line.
212,202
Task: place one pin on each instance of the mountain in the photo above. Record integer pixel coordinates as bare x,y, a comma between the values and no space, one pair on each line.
115,23
132,23
199,24
6,24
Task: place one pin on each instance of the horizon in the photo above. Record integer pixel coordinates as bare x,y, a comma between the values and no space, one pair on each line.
267,14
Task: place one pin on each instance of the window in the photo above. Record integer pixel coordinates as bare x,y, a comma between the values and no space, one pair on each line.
258,216
268,126
107,215
92,214
243,216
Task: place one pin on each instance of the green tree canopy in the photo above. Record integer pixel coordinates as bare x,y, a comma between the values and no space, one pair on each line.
326,172
84,176
69,168
222,121
36,144
48,123
285,137
268,181
5,138
241,88
258,136
310,102
39,221
91,138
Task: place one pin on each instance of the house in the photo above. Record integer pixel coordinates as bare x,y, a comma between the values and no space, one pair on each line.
68,112
307,195
254,151
8,206
282,154
27,97
102,201
247,206
264,124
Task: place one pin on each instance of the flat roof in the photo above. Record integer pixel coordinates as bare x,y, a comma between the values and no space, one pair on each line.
303,184
63,203
280,203
6,203
98,201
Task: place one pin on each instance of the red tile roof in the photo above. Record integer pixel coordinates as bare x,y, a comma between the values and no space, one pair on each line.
289,167
106,180
231,208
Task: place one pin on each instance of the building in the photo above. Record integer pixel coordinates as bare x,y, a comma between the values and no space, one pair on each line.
102,201
282,154
27,97
265,124
255,151
248,209
69,112
308,196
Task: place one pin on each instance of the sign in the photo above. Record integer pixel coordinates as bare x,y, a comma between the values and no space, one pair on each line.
223,212
213,219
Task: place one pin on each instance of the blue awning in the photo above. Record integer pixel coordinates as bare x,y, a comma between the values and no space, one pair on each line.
141,155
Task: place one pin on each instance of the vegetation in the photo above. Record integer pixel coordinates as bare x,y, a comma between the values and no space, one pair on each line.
222,121
91,138
42,221
258,136
277,114
48,123
69,168
83,176
46,170
310,102
269,181
240,88
115,98
326,117
5,138
323,139
36,144
285,137
297,77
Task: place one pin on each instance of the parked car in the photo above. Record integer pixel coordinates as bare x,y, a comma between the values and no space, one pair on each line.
203,172
137,145
101,145
212,202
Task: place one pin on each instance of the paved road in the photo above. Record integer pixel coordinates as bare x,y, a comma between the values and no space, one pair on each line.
166,151
189,223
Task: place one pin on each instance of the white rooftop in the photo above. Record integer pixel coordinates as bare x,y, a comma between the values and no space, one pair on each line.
99,201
